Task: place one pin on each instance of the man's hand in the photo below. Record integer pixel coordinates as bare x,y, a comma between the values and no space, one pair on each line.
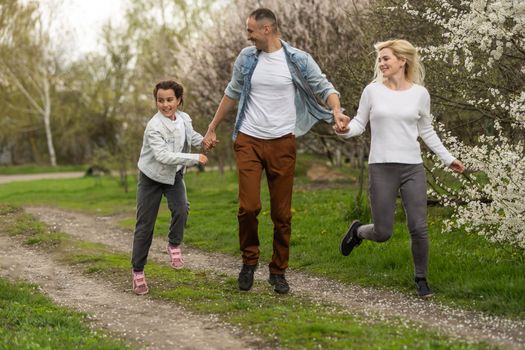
339,131
210,140
340,121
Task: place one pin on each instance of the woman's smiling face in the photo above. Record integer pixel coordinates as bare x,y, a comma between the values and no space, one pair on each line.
389,64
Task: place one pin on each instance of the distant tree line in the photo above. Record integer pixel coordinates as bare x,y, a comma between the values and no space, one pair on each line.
94,109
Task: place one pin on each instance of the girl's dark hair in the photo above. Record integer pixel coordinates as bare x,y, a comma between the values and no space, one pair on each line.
177,88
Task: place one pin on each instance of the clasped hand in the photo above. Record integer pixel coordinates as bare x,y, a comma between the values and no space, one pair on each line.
341,122
210,140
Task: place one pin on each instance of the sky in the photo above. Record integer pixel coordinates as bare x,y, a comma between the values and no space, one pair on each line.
79,22
76,25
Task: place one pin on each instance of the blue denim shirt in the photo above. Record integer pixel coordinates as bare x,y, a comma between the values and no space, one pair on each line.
308,80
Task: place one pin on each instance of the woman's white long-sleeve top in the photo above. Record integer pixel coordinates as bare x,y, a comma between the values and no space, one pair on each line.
397,118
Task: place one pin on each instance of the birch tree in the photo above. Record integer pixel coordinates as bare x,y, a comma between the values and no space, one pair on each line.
28,63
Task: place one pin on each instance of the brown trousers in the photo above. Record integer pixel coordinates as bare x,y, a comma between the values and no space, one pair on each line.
277,158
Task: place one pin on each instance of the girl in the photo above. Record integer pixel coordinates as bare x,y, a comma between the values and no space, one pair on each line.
398,108
163,158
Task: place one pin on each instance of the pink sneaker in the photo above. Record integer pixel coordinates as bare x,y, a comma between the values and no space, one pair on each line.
175,256
139,283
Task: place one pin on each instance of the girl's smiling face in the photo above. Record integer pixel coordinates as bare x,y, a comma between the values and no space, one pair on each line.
167,102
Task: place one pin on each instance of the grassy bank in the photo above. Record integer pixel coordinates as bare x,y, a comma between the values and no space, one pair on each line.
464,269
31,321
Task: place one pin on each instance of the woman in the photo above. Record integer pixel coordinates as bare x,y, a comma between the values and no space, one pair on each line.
398,108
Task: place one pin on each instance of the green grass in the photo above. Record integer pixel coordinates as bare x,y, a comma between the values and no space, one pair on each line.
36,169
95,195
464,269
31,321
281,321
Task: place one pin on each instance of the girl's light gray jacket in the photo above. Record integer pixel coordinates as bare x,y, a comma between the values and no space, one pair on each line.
158,157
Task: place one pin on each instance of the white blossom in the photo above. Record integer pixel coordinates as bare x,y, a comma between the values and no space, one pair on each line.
493,203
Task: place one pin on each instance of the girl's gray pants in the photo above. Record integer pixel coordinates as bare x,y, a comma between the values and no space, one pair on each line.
149,196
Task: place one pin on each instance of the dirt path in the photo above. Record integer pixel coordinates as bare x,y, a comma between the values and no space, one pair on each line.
147,323
370,302
30,177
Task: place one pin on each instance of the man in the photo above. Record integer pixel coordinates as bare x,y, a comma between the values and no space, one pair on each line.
275,85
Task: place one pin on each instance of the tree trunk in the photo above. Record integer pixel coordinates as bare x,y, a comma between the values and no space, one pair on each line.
47,120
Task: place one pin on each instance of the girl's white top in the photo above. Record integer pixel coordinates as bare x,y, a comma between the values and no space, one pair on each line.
397,118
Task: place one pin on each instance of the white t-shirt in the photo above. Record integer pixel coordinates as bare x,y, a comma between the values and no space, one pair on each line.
270,108
180,136
397,118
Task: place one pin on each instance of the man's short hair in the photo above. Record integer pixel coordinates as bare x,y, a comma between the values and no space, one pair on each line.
266,14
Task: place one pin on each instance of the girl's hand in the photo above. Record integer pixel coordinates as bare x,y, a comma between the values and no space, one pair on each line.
203,159
457,166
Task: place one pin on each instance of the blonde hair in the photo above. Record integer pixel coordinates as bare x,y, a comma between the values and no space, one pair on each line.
414,70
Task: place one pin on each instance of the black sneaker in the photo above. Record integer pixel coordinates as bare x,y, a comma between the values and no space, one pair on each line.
279,283
350,239
423,290
246,277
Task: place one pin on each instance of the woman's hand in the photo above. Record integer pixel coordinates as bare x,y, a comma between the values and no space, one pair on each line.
341,130
457,166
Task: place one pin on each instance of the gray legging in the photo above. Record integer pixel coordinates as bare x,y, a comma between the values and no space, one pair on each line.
385,180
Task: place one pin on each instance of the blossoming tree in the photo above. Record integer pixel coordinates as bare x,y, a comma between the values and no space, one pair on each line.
485,44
